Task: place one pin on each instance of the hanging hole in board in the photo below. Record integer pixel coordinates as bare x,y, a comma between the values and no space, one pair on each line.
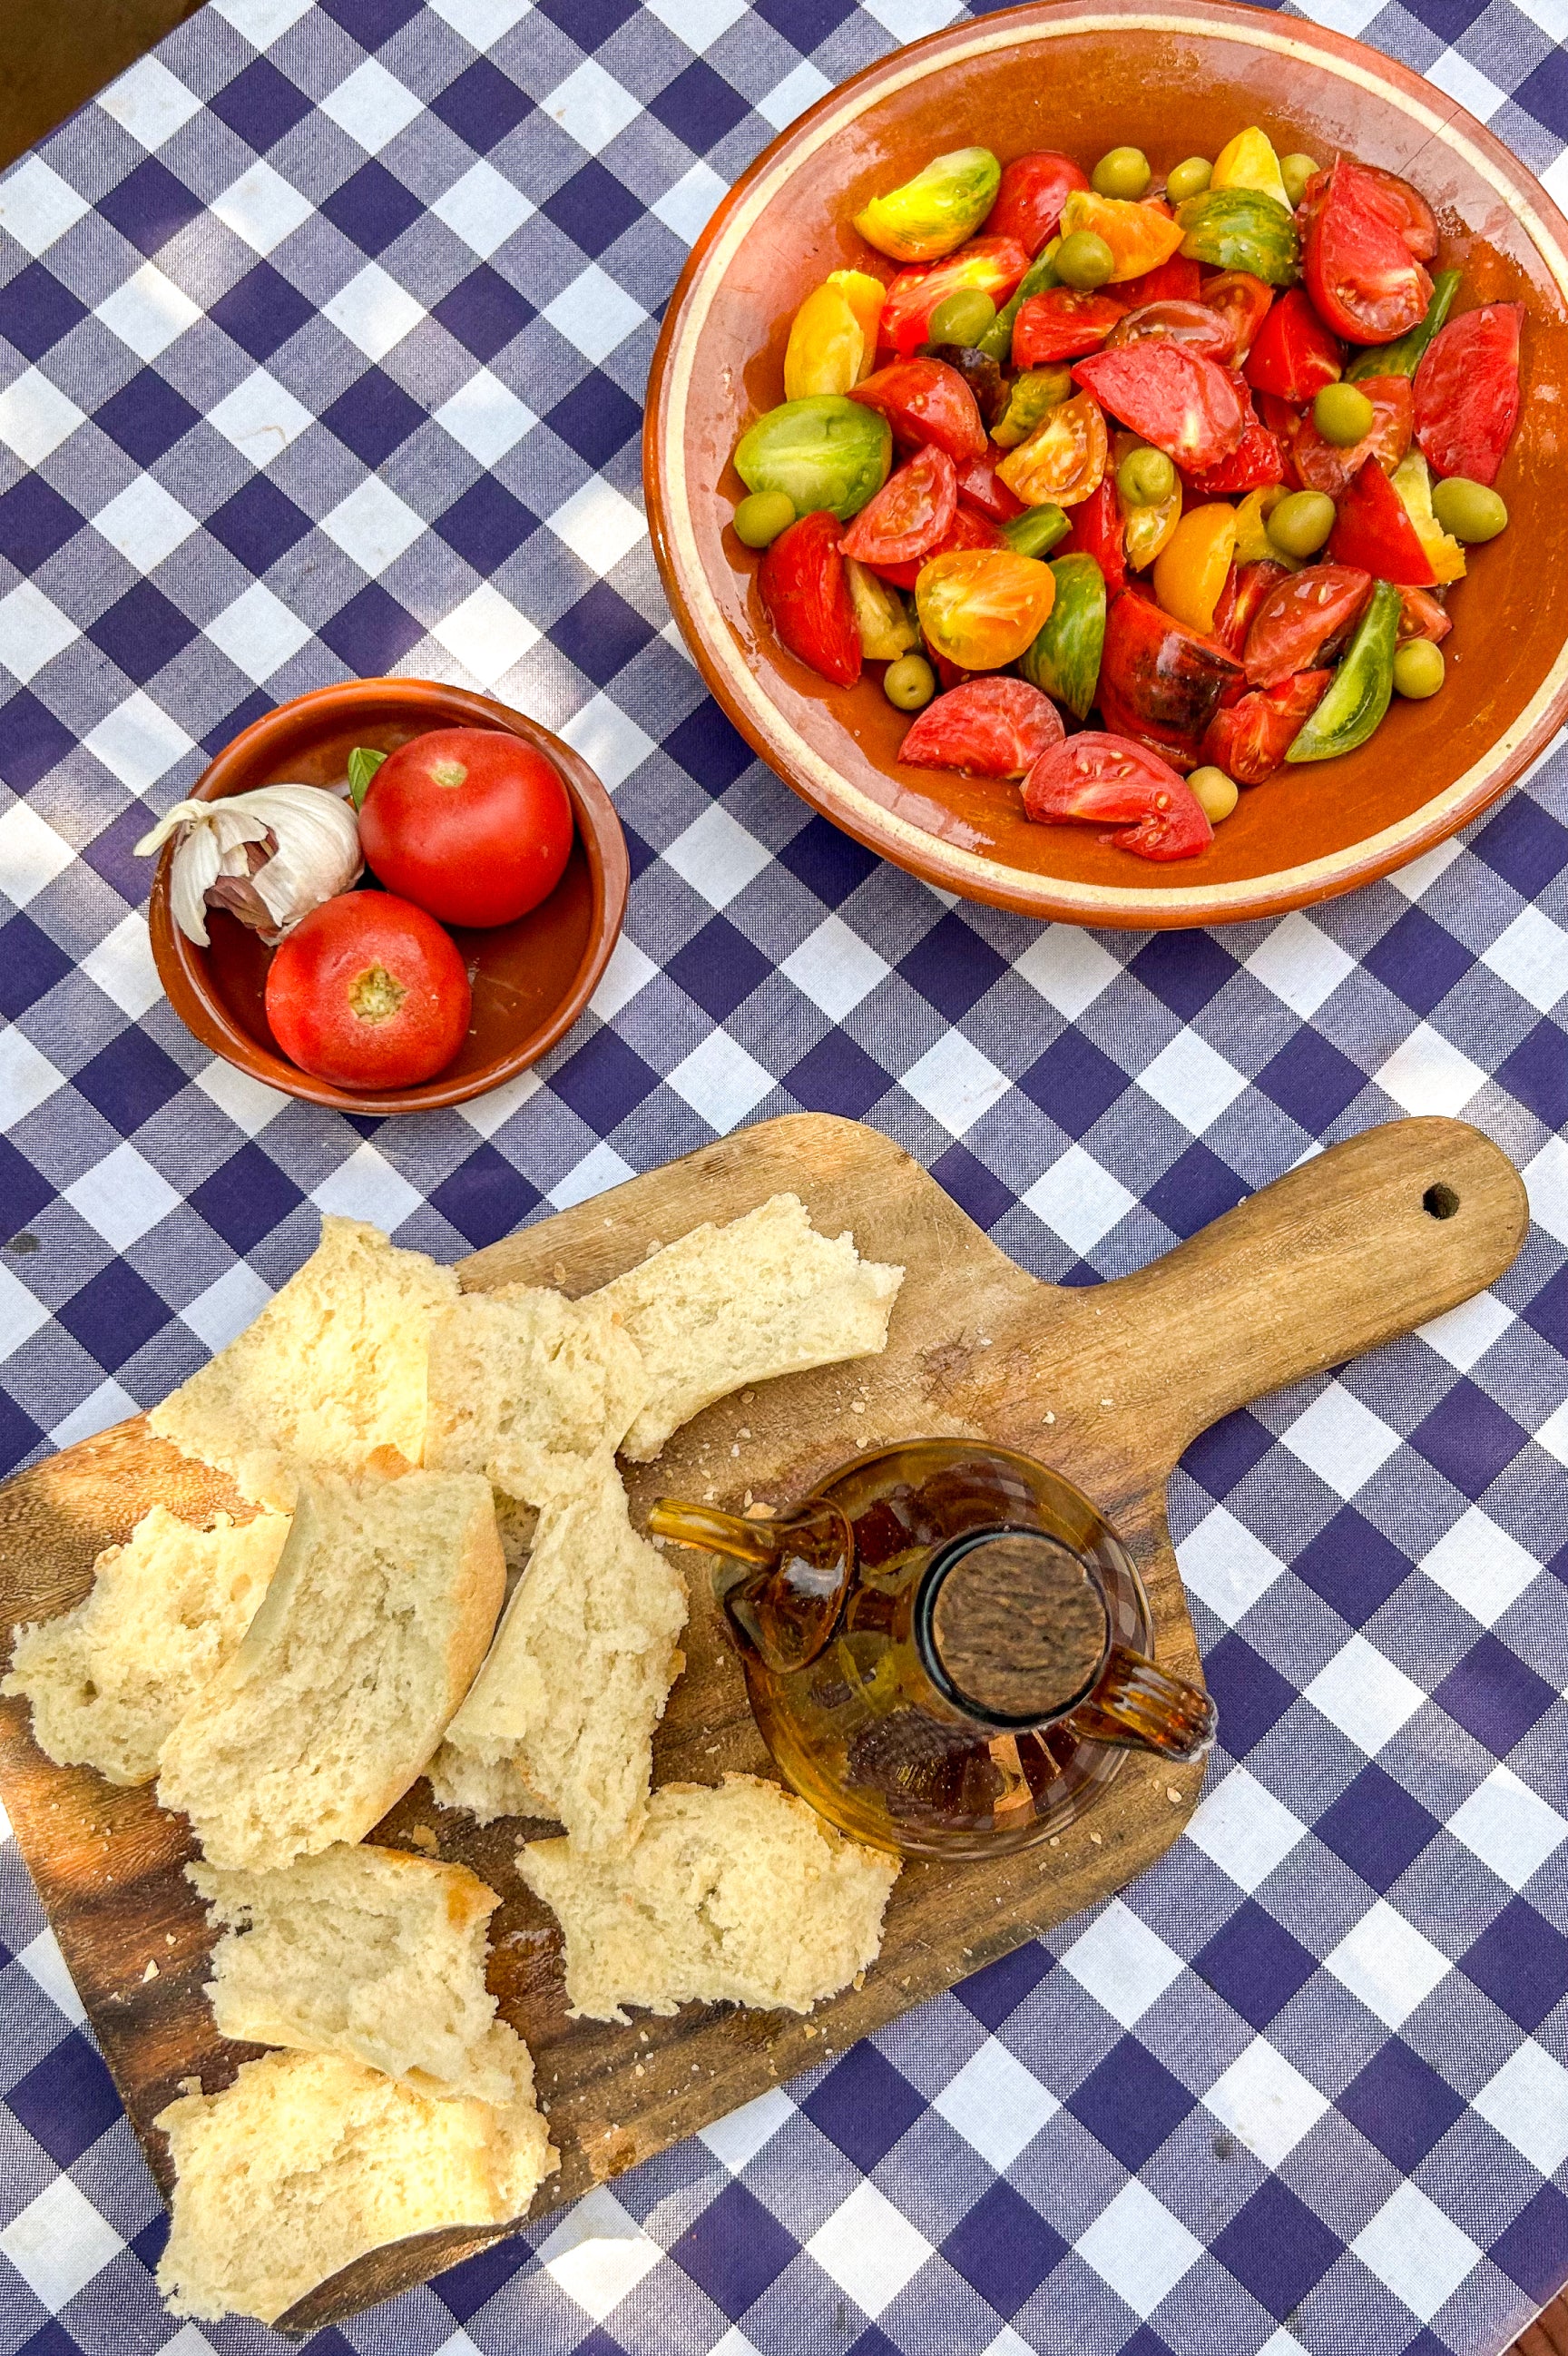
1440,1202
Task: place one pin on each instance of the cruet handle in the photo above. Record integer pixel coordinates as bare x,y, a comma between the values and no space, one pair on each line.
783,1604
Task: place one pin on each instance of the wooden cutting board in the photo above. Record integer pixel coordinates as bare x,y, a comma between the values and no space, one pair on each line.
1108,1382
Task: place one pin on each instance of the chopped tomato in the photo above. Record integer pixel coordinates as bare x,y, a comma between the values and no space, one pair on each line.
1191,570
980,484
1418,226
1255,462
1323,466
1098,530
1176,281
1161,680
1282,421
992,265
1192,324
1302,620
1061,324
1242,300
1186,405
926,401
1064,460
1374,532
968,529
808,597
1100,779
1244,592
909,516
1140,236
1292,354
1364,281
994,727
1030,200
1467,392
982,608
1250,739
1421,616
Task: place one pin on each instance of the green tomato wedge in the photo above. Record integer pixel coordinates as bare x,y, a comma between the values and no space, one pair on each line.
1360,692
934,213
1065,658
824,452
997,343
1404,357
1241,228
1032,394
1037,531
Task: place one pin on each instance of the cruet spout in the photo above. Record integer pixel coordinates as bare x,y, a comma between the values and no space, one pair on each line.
783,1582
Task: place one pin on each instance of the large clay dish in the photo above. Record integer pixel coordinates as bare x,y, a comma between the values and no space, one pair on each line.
1177,81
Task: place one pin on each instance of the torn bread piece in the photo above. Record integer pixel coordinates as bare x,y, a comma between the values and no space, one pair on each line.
378,1613
308,2160
579,1674
331,1375
371,1953
728,1306
109,1680
737,1894
521,1376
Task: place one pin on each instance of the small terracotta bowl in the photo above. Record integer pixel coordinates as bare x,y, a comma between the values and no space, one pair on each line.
532,979
1176,78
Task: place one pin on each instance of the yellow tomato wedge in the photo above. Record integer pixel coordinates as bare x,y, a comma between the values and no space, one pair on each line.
1064,460
881,614
1189,571
1413,481
1140,237
1253,545
865,296
982,608
1248,161
826,346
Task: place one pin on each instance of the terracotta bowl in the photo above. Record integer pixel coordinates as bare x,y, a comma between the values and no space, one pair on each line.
530,980
1177,79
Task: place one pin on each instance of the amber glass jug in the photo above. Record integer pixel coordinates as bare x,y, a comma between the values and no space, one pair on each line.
946,1648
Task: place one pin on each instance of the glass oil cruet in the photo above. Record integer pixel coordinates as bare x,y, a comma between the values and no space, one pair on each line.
945,1648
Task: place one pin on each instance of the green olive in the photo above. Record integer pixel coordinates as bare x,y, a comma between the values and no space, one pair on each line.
1189,179
1145,478
1296,171
762,516
961,318
1301,523
1343,414
1217,795
909,683
1419,668
1084,260
1125,172
1469,510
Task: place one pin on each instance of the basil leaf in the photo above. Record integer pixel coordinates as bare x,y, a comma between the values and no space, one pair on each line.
363,763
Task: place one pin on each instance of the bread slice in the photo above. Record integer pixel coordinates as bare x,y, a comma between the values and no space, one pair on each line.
308,2160
377,1616
579,1674
371,1953
522,1375
727,1306
734,1895
109,1681
331,1375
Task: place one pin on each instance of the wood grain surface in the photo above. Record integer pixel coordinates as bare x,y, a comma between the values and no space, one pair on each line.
1106,1383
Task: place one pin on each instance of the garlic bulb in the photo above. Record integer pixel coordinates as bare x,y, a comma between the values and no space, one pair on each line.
269,857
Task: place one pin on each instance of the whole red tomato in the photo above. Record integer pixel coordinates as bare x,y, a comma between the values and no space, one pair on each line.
369,992
470,823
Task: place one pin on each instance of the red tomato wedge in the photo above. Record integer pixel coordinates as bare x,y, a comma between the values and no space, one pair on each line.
1256,461
1421,616
1030,200
1098,779
980,484
1375,533
802,586
968,529
1243,300
994,727
1292,354
1323,466
909,515
926,401
1061,324
1364,281
1161,681
1250,739
1282,421
1099,530
993,265
1186,405
1303,619
1176,281
1467,392
1245,589
1192,324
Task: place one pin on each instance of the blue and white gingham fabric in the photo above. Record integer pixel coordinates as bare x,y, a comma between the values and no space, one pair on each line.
324,334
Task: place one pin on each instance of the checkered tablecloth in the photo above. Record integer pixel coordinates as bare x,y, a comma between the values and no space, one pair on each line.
325,333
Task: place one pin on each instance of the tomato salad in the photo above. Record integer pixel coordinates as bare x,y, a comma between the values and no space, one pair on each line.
1198,459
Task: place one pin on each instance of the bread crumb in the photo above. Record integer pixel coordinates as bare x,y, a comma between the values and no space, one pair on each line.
1050,1418
759,1512
422,1837
150,1973
747,1397
1097,1840
1172,1794
745,1431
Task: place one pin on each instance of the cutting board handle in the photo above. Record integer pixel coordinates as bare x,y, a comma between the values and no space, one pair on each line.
1358,1246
